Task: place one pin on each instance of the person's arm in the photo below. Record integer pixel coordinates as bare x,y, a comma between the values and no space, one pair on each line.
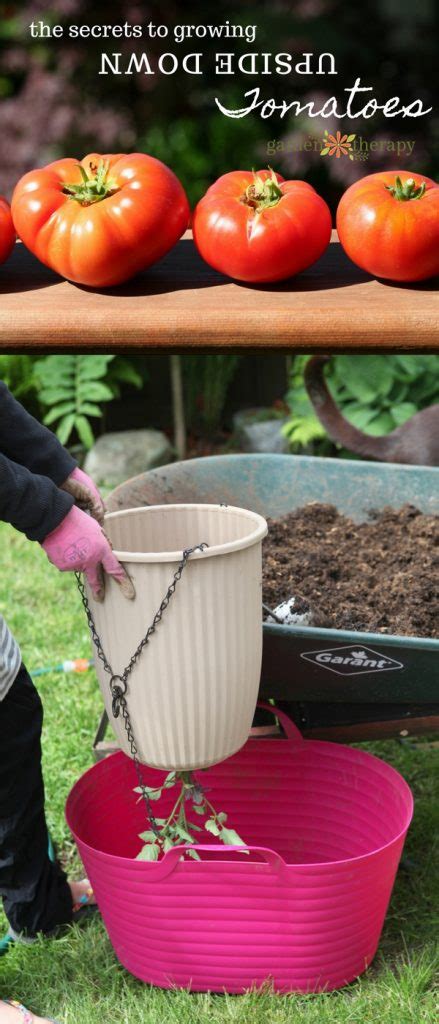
27,442
32,503
71,539
24,440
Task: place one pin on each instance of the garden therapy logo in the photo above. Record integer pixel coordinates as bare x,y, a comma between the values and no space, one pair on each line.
337,145
351,661
354,146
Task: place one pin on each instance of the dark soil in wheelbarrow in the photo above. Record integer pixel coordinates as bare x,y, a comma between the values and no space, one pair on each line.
380,576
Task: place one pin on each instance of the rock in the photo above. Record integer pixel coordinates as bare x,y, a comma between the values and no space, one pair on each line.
257,431
125,453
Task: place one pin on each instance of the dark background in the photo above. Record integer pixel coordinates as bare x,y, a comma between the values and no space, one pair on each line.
53,101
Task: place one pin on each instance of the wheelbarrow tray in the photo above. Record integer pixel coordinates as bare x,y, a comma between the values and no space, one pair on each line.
307,665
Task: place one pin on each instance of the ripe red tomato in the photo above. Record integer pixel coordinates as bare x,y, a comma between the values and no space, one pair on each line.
7,232
103,220
257,227
388,223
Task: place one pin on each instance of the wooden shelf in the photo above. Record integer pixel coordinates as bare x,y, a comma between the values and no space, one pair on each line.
181,303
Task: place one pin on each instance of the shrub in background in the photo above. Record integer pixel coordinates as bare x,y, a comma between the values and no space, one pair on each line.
376,393
73,388
67,392
207,379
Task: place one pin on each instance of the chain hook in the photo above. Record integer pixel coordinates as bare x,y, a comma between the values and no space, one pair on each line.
118,687
119,683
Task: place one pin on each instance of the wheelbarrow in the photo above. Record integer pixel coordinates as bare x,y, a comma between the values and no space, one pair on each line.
395,691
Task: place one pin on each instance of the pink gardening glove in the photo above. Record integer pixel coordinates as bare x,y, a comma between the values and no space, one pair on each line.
78,544
85,493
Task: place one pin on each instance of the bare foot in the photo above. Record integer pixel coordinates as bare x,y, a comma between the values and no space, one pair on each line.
82,895
12,1015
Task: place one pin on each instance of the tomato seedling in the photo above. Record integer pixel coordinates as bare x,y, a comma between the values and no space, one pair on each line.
179,827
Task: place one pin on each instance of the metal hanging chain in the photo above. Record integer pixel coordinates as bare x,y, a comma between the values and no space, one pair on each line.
119,683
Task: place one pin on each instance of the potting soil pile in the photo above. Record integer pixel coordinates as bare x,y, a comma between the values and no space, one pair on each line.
379,576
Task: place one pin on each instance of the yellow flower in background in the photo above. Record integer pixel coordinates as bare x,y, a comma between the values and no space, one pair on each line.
336,145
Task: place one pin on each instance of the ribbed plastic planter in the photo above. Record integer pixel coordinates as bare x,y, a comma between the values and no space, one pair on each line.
192,693
325,826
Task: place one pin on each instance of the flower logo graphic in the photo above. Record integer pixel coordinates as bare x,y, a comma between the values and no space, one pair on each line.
336,145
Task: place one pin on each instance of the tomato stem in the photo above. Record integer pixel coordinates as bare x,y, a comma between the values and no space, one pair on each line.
94,187
406,191
261,195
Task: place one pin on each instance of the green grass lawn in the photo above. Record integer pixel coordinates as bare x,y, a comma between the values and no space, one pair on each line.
77,978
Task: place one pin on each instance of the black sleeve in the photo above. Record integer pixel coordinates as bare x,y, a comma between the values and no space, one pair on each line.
31,503
28,443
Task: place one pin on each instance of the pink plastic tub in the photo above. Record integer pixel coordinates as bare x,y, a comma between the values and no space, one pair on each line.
325,825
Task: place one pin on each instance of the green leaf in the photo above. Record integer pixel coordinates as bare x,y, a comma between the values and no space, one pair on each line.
97,392
153,793
365,377
410,364
350,138
88,409
124,370
65,428
193,854
57,411
403,412
66,363
382,424
183,833
231,838
325,151
211,826
359,415
93,367
148,837
150,851
199,809
51,396
303,431
84,431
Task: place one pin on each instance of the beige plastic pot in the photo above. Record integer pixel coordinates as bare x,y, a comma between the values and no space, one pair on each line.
192,693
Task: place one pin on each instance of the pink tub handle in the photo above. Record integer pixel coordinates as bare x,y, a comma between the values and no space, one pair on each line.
289,727
172,857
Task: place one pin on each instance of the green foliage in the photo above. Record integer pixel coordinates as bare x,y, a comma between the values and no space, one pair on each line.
177,829
207,379
193,146
18,373
73,388
375,393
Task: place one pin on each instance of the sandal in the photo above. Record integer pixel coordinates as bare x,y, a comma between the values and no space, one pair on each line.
84,906
81,911
28,1017
10,938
